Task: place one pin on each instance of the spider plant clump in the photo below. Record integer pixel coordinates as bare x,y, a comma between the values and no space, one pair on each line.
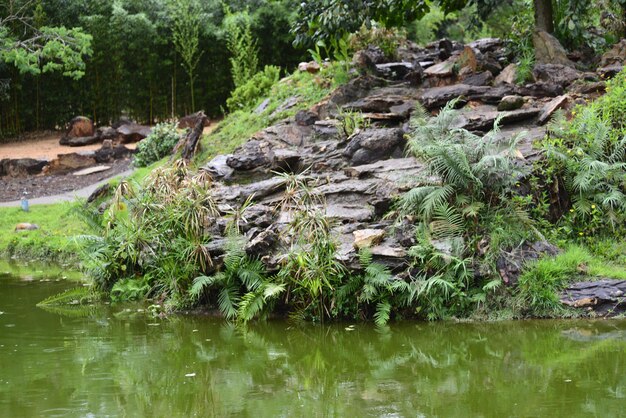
151,239
308,268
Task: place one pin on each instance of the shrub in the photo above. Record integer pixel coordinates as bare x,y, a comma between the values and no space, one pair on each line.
246,96
157,232
157,145
588,156
469,180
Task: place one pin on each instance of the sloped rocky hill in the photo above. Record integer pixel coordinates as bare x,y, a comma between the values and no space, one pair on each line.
359,175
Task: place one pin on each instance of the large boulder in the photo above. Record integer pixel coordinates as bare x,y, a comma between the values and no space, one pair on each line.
21,167
373,145
133,132
556,74
65,163
548,49
80,127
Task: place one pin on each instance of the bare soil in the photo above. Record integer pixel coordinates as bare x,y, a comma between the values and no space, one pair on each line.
45,146
42,145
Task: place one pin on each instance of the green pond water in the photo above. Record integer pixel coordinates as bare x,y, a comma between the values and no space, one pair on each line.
118,361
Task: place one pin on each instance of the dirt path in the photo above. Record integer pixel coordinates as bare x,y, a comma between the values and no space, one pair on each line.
42,146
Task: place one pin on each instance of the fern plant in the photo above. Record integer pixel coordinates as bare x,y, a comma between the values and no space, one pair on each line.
244,291
590,158
376,286
467,176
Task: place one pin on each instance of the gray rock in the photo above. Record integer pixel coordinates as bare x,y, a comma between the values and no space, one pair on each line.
108,154
605,297
511,103
559,74
481,79
373,145
218,167
507,76
261,243
548,50
396,70
551,107
252,154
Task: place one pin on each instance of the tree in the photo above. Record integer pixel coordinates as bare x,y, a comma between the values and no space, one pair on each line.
325,19
242,46
33,49
186,34
544,15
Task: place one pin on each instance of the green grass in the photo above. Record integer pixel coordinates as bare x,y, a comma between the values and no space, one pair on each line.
38,271
237,127
51,242
542,280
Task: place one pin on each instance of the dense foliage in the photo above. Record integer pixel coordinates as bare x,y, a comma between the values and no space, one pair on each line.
133,67
157,145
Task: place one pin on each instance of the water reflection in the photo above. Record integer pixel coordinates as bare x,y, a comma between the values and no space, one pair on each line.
116,362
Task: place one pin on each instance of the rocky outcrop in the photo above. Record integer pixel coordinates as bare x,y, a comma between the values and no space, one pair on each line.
357,177
605,297
548,50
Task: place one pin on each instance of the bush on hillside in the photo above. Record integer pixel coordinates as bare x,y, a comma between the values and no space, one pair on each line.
248,94
157,145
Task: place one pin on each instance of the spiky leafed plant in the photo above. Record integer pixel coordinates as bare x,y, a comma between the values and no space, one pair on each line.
309,268
466,178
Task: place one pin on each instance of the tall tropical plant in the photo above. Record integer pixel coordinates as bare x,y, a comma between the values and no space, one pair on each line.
186,34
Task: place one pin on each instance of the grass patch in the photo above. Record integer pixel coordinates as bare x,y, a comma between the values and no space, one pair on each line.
238,126
50,243
38,271
542,280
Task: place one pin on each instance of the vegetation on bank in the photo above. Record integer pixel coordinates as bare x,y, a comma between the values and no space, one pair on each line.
151,241
50,243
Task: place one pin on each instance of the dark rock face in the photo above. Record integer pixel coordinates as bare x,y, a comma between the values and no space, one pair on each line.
373,145
605,297
510,265
21,167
